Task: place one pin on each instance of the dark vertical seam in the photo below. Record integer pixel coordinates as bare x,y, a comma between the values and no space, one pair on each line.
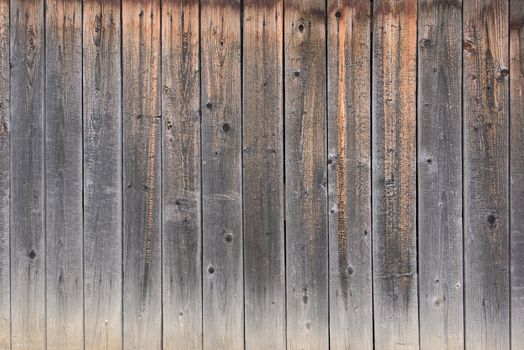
326,151
508,123
241,20
371,231
417,218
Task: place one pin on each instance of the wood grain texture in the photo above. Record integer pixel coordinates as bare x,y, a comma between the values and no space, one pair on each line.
440,175
142,131
27,53
394,174
63,170
102,175
5,160
349,174
486,131
181,204
263,177
306,175
516,32
222,175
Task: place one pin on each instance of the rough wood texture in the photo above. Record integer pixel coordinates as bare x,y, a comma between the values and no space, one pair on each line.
141,178
28,321
5,311
486,120
394,174
181,219
63,108
263,185
222,175
516,28
102,175
349,173
306,175
440,175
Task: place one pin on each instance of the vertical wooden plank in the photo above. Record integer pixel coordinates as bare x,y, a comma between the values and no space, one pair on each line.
486,249
142,157
27,174
5,160
263,179
440,175
306,175
349,159
102,175
181,205
516,27
394,174
64,287
222,175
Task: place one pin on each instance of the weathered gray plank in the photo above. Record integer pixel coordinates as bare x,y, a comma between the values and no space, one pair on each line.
181,205
306,175
142,171
263,184
5,160
486,119
102,175
394,174
440,175
221,175
27,174
349,173
516,27
63,108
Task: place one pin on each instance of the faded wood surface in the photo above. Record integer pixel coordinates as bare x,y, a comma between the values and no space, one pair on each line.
306,175
223,285
263,173
349,173
102,159
63,165
394,174
439,154
181,201
486,120
516,49
5,292
27,230
142,128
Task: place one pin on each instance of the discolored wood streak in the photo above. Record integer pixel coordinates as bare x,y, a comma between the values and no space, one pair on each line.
263,178
5,129
486,132
63,154
349,173
181,205
223,319
102,175
306,175
516,32
27,207
440,175
394,174
141,166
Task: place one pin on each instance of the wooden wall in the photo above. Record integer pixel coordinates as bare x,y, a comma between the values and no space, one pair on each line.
261,174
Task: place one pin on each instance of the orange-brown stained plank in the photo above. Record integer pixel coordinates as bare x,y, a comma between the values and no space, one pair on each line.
223,318
5,312
306,175
181,205
102,175
263,187
440,175
27,174
141,174
63,152
486,132
516,28
349,166
394,174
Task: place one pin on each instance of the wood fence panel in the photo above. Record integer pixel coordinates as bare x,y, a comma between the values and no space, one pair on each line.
486,131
